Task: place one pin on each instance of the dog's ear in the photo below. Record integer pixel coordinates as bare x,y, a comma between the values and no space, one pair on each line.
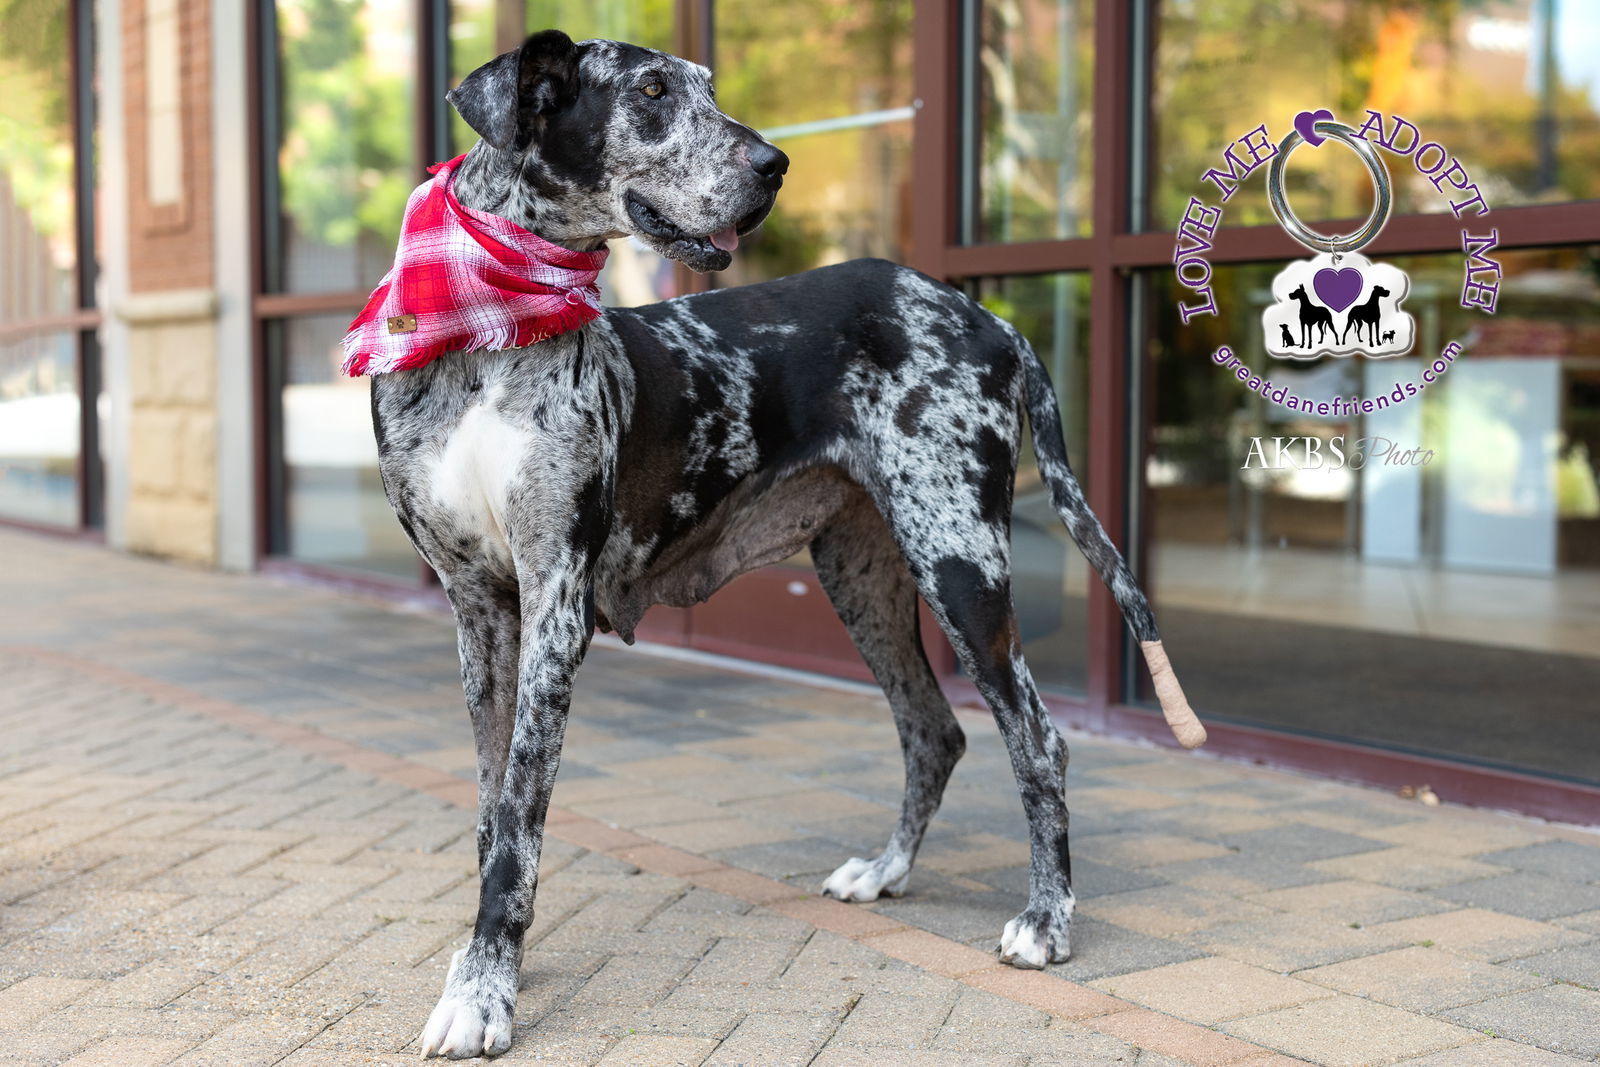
507,99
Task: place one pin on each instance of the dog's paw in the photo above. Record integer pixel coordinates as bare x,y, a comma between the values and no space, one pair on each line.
866,880
471,1019
1038,936
464,1026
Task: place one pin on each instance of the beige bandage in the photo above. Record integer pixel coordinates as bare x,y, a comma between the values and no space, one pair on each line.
1185,727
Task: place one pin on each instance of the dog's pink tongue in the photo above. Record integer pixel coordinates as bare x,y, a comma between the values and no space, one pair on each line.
727,240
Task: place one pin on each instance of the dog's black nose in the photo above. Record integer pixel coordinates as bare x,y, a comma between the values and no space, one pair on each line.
767,161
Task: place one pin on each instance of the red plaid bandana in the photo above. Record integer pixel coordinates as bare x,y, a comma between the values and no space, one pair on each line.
464,280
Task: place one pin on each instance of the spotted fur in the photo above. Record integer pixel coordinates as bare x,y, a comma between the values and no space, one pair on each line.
864,410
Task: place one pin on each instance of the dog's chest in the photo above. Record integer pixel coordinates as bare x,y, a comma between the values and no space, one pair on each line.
469,479
485,455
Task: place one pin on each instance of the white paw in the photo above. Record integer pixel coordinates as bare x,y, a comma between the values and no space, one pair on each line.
866,880
1038,936
467,1021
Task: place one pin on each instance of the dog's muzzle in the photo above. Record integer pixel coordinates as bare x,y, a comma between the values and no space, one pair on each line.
700,252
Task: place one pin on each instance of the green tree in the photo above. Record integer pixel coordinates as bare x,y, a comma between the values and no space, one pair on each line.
345,158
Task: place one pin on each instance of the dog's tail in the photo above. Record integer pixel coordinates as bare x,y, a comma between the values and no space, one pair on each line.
1050,448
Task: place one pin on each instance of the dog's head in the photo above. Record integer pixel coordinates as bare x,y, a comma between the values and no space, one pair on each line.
603,139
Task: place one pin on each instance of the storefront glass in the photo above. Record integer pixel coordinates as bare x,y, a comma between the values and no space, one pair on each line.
39,406
333,508
39,429
830,84
346,131
1512,87
345,155
1027,177
1450,609
1446,602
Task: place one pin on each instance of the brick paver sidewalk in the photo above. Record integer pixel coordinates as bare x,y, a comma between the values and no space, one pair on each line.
232,830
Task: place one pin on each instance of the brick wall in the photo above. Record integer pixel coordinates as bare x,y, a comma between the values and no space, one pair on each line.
170,245
172,505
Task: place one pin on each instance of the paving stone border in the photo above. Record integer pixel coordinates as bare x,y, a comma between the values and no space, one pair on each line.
1057,997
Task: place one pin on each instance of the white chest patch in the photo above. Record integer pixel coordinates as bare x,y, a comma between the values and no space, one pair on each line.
472,475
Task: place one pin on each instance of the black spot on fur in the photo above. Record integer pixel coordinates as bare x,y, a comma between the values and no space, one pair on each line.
999,377
993,472
591,517
500,880
907,417
506,100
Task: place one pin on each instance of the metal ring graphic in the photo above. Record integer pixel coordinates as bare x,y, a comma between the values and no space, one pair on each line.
1338,243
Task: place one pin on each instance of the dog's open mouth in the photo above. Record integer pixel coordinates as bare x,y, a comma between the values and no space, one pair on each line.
712,251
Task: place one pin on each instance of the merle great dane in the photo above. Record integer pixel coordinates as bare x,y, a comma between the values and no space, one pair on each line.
863,410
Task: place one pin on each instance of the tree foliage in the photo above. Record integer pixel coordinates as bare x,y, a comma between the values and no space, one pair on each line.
345,159
36,151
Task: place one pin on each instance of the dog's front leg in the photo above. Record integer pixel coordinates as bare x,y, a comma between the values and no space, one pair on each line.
474,1017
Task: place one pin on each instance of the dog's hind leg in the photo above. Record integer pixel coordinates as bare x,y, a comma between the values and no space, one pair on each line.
949,518
974,607
961,563
865,576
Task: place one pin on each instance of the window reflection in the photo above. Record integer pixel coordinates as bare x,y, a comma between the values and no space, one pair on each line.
1049,574
830,84
39,429
345,150
1033,70
1511,87
1452,607
39,408
334,511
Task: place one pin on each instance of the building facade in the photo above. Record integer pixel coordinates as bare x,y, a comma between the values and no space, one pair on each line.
197,195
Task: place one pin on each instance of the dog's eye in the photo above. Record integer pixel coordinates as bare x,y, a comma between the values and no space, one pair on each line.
652,90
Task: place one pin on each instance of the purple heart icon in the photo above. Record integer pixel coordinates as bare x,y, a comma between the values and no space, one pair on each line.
1306,124
1337,289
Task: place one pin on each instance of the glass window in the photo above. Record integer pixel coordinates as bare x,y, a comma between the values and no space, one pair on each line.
1049,575
1448,607
37,217
830,84
346,133
40,411
472,44
1031,116
333,508
1511,90
647,23
39,429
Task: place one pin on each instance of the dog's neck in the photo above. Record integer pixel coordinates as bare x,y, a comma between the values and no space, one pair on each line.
517,186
